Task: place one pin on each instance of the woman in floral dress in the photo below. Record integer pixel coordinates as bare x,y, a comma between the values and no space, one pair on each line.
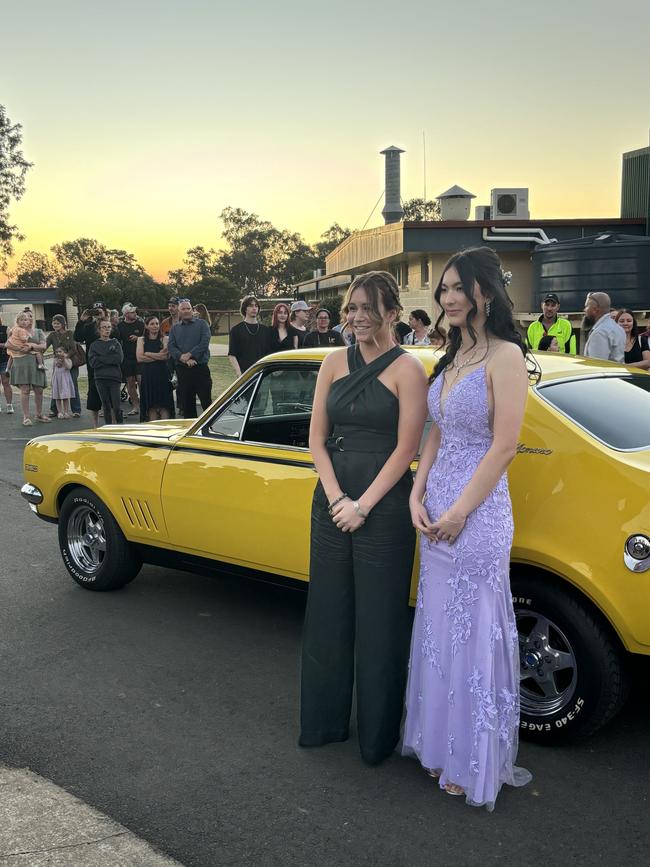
463,691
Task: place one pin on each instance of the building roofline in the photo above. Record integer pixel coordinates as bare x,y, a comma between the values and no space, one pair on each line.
524,224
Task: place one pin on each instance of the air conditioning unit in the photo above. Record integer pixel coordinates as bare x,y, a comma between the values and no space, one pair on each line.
509,203
482,212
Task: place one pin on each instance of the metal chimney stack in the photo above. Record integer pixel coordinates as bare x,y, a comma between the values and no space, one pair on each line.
393,211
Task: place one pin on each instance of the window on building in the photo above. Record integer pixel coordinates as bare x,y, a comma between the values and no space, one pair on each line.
424,272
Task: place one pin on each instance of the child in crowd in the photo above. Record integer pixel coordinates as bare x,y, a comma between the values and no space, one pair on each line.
18,345
62,383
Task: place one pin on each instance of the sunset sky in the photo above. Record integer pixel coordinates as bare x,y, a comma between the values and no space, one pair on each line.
145,119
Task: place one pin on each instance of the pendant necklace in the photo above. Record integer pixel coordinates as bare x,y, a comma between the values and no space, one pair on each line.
469,361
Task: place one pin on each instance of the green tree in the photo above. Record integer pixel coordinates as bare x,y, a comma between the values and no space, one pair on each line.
289,260
83,286
13,171
330,239
134,286
246,264
87,254
417,210
202,278
33,270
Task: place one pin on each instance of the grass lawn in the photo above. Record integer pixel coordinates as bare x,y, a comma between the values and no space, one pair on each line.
222,377
222,339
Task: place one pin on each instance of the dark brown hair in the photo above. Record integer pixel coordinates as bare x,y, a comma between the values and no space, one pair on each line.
478,265
246,302
635,328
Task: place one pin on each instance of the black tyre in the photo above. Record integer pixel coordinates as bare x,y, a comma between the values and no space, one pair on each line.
92,545
572,670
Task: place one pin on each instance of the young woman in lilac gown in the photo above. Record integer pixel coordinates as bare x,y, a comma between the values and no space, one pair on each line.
462,698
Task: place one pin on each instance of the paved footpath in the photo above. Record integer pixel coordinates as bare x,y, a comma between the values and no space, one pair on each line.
42,825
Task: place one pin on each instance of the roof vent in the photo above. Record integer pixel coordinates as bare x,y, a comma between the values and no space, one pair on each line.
455,203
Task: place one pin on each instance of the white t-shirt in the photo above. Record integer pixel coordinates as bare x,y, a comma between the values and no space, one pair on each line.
412,340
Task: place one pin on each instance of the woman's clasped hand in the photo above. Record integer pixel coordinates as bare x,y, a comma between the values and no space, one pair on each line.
446,528
347,515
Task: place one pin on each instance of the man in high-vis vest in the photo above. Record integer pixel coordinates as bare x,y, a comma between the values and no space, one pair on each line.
550,323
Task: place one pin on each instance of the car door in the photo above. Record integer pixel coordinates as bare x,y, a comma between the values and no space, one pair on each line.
239,488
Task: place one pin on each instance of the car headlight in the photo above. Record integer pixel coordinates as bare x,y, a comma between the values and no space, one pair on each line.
637,553
32,494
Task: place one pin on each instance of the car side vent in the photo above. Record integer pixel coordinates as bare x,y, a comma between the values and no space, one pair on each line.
139,514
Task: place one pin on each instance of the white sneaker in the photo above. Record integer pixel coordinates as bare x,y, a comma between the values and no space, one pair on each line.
10,408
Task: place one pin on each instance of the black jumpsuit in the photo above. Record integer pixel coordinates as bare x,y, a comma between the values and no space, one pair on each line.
359,582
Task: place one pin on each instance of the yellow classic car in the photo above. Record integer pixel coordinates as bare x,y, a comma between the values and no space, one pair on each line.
230,489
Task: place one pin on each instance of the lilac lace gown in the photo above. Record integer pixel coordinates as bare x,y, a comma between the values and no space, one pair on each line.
462,698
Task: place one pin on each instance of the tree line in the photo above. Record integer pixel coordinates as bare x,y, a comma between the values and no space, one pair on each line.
259,258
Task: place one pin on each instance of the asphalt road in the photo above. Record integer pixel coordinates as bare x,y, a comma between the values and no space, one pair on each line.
172,706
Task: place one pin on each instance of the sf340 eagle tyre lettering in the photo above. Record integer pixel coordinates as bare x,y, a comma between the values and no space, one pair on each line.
92,545
572,678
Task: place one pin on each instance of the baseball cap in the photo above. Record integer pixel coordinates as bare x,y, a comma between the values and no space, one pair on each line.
551,296
299,305
98,305
173,299
128,308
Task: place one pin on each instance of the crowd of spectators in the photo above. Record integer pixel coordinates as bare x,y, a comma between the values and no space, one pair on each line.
142,360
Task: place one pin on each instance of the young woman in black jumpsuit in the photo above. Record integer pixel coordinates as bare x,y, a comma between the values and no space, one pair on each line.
368,415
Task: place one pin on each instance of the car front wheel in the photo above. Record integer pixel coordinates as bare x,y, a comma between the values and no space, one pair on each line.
572,676
93,547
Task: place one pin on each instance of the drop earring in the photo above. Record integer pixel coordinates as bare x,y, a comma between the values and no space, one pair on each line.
488,307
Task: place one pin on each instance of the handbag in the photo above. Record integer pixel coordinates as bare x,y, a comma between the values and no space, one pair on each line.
78,355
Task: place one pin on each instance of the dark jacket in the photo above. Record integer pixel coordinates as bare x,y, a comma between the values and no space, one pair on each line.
105,359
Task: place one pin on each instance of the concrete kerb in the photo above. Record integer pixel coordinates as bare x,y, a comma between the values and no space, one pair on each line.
42,824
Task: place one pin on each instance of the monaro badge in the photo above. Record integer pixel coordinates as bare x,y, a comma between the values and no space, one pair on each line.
31,468
522,448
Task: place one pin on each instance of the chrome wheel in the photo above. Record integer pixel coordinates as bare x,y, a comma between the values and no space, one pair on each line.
548,669
86,538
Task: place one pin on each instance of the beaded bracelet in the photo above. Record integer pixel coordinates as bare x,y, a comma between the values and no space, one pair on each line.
336,502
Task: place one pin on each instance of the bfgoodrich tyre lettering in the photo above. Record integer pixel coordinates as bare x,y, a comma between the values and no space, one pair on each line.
93,547
572,674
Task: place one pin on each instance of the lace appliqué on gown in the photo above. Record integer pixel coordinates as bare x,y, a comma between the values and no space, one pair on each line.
463,692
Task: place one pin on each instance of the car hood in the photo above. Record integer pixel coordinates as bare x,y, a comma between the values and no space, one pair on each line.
165,430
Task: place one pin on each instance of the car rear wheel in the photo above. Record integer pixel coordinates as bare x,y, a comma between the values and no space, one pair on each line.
92,545
572,677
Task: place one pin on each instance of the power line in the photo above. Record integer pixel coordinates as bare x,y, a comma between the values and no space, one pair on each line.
373,210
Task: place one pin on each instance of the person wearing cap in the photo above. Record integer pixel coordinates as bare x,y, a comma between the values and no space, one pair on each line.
606,338
129,329
549,323
249,340
299,316
189,346
323,334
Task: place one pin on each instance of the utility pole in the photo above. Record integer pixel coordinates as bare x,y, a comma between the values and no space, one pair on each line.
424,173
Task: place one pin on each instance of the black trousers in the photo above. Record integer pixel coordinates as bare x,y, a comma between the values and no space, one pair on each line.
193,382
109,394
358,616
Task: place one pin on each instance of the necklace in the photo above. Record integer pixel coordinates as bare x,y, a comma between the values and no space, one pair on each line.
469,361
252,333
